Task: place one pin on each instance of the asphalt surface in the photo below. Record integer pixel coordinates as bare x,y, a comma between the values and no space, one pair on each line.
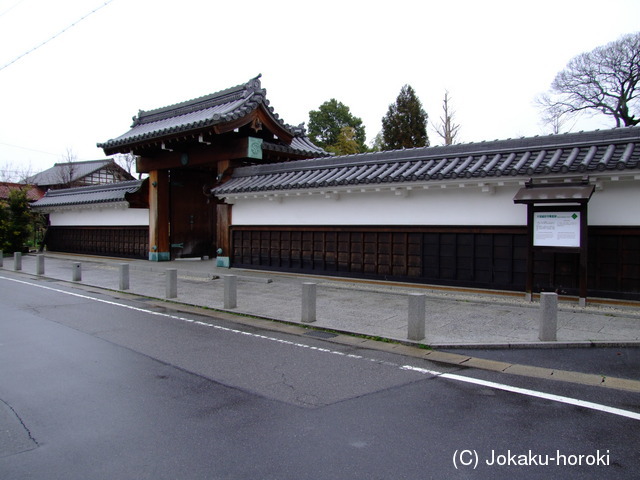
95,384
495,331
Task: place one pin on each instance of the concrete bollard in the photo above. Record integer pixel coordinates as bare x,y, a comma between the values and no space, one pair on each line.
76,272
417,320
548,317
40,264
124,276
308,302
172,283
230,291
17,261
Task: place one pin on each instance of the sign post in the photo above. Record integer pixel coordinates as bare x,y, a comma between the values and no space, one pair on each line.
557,222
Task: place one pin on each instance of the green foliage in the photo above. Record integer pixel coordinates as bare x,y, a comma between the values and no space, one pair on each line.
347,143
327,128
405,124
4,226
16,221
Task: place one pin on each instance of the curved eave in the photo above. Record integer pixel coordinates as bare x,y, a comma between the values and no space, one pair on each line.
67,207
218,126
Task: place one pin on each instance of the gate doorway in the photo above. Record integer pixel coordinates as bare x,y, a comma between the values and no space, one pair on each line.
192,216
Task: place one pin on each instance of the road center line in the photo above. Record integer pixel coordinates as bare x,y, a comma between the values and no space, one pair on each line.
449,376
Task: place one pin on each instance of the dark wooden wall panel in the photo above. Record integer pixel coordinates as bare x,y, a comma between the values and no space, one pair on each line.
131,242
483,257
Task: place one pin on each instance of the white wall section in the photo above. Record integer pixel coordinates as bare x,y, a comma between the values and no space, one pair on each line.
100,217
616,204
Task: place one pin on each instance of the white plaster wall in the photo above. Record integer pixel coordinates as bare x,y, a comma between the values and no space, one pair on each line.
101,217
451,206
617,204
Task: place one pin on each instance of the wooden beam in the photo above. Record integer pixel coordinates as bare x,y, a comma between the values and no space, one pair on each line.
268,121
230,149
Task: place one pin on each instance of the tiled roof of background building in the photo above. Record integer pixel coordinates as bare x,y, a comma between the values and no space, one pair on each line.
69,172
584,152
33,192
95,194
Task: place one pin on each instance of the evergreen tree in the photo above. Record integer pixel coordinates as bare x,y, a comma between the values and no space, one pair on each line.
327,123
405,124
4,227
15,221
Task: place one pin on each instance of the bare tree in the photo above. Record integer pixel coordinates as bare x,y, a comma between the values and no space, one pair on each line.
605,80
127,161
10,172
67,169
447,129
7,172
553,117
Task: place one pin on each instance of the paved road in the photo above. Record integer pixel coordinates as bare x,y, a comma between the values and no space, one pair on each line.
92,386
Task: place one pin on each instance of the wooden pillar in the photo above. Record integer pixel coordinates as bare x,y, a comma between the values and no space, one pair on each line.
159,216
223,233
530,252
584,257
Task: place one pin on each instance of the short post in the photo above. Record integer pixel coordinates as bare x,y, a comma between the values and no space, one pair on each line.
417,320
124,276
230,291
1,258
548,316
76,272
17,261
39,264
172,283
308,302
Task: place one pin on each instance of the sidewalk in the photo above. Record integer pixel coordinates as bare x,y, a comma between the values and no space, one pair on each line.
454,318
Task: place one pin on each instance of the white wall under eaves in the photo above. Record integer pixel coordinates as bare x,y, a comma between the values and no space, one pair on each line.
616,204
100,217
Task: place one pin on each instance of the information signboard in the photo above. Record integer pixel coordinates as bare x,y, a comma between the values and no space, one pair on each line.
556,229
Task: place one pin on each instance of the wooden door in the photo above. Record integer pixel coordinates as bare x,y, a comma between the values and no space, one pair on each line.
192,220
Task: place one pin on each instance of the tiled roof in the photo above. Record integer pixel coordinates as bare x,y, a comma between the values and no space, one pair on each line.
59,173
584,152
216,108
95,194
300,145
33,192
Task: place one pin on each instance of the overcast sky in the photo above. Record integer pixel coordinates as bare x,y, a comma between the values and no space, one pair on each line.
84,86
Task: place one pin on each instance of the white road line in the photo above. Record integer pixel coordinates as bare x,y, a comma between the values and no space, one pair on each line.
449,376
525,391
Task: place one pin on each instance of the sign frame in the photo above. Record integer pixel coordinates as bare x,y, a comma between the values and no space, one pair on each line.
581,249
557,228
